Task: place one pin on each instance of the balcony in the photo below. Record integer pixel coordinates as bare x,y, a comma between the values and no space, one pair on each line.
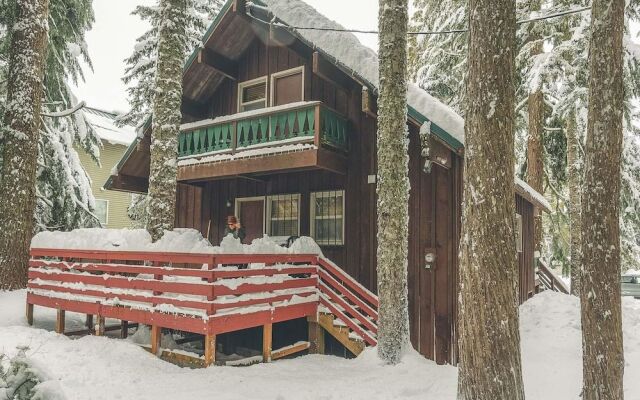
289,137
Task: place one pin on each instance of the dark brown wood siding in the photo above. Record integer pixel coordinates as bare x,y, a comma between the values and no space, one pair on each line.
526,258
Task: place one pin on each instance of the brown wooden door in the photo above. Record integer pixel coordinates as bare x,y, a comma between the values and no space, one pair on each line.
251,215
432,286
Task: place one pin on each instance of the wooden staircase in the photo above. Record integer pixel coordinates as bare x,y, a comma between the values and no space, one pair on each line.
548,280
342,333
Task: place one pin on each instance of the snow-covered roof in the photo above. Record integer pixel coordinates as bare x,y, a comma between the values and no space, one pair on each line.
348,51
363,61
103,123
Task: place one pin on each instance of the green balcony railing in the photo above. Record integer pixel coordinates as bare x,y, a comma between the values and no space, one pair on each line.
267,127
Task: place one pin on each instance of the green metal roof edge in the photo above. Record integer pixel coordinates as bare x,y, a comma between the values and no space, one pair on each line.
208,34
435,128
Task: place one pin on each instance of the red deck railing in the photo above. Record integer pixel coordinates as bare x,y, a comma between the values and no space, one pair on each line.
200,293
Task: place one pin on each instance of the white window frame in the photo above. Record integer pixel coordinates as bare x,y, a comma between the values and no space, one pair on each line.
269,206
314,195
107,214
519,234
247,199
281,74
252,82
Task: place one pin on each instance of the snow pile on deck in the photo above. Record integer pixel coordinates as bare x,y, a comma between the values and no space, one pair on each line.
100,368
348,50
180,240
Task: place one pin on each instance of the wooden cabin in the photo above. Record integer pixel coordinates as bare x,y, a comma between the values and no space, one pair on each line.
279,128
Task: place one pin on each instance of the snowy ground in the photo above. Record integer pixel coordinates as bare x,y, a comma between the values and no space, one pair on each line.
103,368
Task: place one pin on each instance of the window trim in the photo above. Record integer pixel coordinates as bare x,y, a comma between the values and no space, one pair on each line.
312,215
253,82
268,219
106,214
282,74
519,234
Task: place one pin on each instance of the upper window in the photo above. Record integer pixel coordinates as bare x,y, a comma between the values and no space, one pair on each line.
327,217
283,213
519,233
102,211
252,95
287,86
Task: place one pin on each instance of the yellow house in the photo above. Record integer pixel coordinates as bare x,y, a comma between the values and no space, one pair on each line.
111,205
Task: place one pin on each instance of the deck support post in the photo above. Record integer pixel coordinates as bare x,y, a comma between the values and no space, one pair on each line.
89,322
124,329
267,339
60,321
209,349
99,327
156,335
30,314
316,335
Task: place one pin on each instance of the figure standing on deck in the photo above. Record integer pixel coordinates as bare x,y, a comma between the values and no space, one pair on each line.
234,228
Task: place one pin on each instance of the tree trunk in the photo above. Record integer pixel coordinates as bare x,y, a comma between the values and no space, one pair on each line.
603,358
393,182
575,190
166,118
20,137
535,149
489,345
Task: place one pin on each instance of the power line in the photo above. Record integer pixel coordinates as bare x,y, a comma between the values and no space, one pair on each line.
525,21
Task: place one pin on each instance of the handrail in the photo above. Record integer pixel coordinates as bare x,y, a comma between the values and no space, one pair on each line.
550,280
307,121
214,287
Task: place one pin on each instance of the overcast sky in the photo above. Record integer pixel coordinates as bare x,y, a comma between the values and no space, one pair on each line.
115,31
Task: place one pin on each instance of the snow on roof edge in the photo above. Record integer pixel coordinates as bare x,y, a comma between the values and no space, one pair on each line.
536,196
347,50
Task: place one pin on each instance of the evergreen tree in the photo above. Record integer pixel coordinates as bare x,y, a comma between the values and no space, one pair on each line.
141,65
64,197
490,362
603,355
393,182
561,73
166,117
27,54
19,381
430,55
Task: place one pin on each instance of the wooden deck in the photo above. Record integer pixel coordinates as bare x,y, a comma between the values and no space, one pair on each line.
204,294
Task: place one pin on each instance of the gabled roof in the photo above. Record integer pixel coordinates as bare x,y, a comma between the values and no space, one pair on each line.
346,51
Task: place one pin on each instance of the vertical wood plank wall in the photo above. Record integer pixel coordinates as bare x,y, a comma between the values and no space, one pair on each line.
434,205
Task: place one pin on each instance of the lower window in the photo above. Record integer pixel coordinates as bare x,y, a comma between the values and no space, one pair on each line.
327,217
283,215
102,211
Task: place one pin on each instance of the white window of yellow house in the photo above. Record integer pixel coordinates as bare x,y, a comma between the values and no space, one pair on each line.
102,211
327,217
519,238
283,215
252,95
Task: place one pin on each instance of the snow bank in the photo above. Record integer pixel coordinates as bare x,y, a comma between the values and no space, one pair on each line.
180,240
87,368
348,50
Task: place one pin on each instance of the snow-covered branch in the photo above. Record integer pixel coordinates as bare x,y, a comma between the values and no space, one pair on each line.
65,113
